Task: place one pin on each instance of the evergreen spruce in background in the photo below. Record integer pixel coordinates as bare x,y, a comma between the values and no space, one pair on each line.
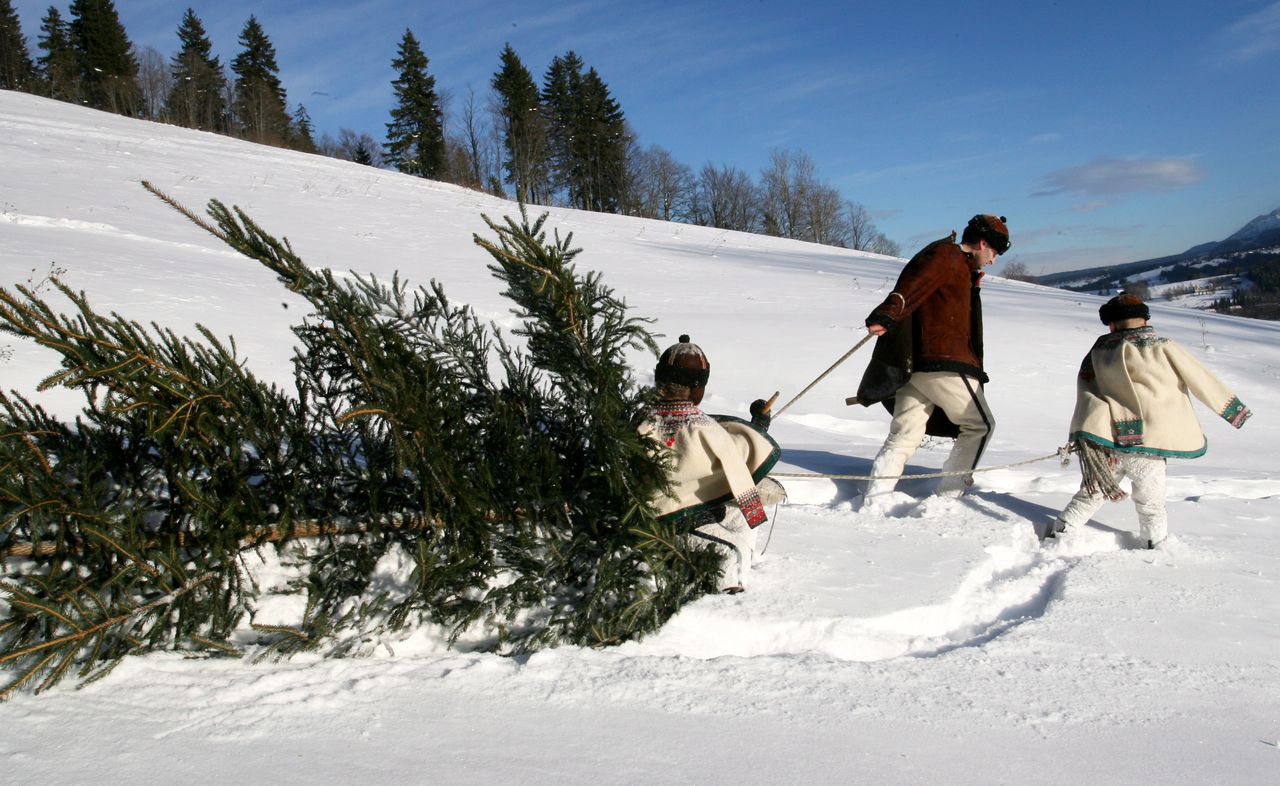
362,153
561,91
260,107
351,146
60,76
415,135
601,143
405,483
567,143
199,86
301,132
108,72
523,129
17,71
588,136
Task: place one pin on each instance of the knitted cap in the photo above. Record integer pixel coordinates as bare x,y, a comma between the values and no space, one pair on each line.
683,364
1123,306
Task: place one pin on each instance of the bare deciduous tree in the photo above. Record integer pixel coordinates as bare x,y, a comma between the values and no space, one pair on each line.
659,186
795,203
725,198
1018,271
785,185
883,245
822,222
154,81
476,139
862,230
863,233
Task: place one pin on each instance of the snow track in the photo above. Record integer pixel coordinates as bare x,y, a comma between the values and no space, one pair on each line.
1014,582
103,231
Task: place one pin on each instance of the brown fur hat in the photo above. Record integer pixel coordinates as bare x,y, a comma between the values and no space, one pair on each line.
1123,306
992,229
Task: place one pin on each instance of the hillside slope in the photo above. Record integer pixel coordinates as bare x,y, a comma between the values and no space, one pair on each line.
936,642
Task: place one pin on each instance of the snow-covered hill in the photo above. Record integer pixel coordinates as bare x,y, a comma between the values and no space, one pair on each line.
939,642
1267,222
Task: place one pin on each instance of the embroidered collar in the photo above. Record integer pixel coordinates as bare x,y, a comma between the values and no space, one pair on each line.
1141,336
671,416
675,408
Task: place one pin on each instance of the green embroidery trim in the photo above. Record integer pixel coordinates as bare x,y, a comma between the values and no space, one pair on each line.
1128,432
757,475
1236,413
1106,443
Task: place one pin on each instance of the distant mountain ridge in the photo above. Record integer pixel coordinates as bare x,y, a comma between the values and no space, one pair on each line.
1261,232
1262,225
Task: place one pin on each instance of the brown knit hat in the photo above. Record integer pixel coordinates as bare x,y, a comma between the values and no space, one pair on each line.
1123,306
683,364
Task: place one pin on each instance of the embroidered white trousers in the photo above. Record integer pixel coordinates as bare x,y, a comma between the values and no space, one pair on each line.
1147,474
962,400
735,540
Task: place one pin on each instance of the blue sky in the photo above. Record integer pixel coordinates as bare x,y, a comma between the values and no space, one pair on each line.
1105,131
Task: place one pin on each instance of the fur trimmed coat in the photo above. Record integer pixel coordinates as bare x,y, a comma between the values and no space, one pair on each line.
715,460
939,290
1132,396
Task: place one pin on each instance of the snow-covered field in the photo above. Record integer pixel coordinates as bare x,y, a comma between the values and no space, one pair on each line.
1199,293
937,644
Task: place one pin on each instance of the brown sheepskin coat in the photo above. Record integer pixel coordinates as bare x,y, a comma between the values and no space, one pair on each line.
938,289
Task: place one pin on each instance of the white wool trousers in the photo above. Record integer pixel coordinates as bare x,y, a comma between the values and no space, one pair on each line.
962,400
735,540
1147,474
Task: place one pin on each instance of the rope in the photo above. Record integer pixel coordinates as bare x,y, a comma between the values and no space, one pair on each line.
824,374
773,524
1060,453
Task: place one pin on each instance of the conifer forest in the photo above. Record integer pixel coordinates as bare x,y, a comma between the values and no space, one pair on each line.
564,141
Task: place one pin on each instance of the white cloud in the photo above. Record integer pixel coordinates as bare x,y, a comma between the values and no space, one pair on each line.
1106,176
1093,205
1256,35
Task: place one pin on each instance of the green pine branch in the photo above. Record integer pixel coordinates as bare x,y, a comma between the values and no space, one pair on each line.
515,490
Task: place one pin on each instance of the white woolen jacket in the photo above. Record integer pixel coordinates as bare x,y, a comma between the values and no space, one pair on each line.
712,462
1132,396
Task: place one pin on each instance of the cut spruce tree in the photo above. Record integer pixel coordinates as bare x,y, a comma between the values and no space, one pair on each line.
425,469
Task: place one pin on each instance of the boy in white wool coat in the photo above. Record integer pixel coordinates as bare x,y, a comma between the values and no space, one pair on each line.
1133,413
718,465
